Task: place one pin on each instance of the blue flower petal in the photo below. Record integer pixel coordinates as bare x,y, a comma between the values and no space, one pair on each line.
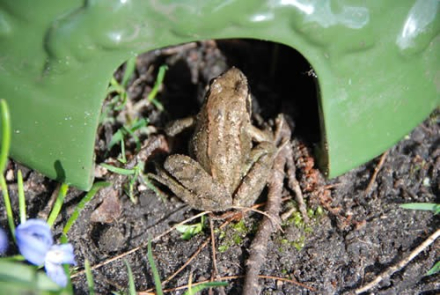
3,241
56,273
34,239
61,254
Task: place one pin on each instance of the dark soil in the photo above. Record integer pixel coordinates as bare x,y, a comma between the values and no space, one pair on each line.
356,236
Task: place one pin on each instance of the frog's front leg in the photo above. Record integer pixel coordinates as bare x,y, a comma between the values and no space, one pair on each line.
179,126
256,173
191,183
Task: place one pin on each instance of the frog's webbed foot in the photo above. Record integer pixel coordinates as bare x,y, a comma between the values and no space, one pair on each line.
192,184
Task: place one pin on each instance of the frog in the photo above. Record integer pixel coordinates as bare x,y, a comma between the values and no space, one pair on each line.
230,159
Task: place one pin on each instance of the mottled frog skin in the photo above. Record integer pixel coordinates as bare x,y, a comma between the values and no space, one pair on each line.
230,158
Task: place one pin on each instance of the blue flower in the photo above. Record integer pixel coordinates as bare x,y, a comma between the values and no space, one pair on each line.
35,242
3,241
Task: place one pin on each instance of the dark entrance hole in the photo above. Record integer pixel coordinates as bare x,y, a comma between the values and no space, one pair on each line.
280,78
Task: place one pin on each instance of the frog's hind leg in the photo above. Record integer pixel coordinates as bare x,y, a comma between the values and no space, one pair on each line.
256,174
192,184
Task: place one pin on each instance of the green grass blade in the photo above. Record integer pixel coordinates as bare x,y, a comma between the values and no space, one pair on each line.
58,204
117,170
131,286
132,183
420,206
152,95
6,135
117,137
21,198
435,269
151,186
157,282
115,87
89,276
200,287
130,67
135,138
87,198
139,124
8,206
122,158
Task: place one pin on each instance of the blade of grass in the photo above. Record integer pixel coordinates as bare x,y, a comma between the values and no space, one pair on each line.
58,204
89,276
132,183
131,286
435,269
6,142
8,206
130,67
87,198
21,198
151,186
157,282
116,137
422,206
122,158
117,170
152,95
6,134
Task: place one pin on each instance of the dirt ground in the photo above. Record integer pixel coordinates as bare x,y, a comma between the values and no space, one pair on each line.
352,236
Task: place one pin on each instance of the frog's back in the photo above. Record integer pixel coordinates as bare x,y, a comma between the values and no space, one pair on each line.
220,141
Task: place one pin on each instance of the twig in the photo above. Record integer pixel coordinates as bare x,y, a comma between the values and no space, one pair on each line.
229,278
294,184
390,271
214,273
201,247
258,248
144,245
214,258
376,171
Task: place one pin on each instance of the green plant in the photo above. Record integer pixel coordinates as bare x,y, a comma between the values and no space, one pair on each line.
435,208
190,230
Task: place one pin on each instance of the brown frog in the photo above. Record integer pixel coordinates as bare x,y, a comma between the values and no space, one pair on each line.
225,170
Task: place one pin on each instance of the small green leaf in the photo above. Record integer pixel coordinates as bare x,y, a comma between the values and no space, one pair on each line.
190,230
223,248
198,288
435,269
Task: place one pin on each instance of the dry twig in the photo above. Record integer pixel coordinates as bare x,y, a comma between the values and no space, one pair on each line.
258,248
229,278
294,184
376,171
390,271
143,245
